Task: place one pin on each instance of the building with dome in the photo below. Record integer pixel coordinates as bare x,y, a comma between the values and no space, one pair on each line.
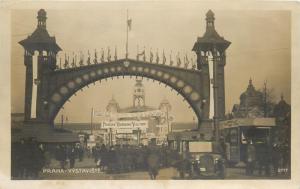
113,106
157,120
282,113
251,103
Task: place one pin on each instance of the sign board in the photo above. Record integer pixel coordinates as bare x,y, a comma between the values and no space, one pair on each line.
200,146
267,122
125,124
124,130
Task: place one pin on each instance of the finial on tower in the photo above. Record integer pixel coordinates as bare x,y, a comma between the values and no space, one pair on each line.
210,18
42,17
210,14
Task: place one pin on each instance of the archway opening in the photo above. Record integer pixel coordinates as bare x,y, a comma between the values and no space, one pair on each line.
100,102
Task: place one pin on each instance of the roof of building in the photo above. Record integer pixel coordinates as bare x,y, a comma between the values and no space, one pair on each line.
282,108
44,134
17,114
40,39
211,36
245,122
251,91
79,126
132,109
183,126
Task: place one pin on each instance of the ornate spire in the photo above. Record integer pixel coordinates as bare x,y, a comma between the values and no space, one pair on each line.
250,81
211,39
210,18
42,17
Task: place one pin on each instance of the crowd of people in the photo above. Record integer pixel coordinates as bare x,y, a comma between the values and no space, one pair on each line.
28,158
126,158
267,159
68,152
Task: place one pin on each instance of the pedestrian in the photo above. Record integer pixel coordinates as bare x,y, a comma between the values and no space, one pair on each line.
21,161
112,160
80,152
276,156
62,155
72,157
103,156
153,164
251,155
263,159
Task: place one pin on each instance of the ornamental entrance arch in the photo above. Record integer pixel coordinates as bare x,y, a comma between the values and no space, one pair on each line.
55,86
68,82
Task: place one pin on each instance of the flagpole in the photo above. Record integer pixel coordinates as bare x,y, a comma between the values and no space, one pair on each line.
92,112
127,35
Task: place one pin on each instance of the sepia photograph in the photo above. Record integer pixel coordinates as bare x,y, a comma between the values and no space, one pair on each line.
150,91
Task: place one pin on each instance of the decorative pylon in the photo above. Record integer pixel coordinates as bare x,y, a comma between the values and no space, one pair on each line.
73,61
88,61
95,57
171,60
164,58
144,58
186,61
151,55
157,57
108,54
116,56
193,64
178,60
66,61
81,58
102,56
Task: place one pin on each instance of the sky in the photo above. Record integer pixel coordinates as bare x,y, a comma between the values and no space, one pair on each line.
260,49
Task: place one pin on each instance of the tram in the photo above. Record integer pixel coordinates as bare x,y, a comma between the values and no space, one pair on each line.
238,132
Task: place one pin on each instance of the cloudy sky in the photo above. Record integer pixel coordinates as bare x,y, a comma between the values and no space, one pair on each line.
260,48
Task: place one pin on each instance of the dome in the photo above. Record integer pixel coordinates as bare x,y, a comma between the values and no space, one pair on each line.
251,97
282,108
164,101
42,13
251,91
112,106
165,104
112,101
210,14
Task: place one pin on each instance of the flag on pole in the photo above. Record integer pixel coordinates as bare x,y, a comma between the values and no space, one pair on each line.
108,54
129,22
164,57
95,57
157,57
151,56
66,65
89,58
102,55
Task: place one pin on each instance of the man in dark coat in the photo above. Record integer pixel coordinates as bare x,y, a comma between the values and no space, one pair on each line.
251,158
103,157
72,157
61,154
153,164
